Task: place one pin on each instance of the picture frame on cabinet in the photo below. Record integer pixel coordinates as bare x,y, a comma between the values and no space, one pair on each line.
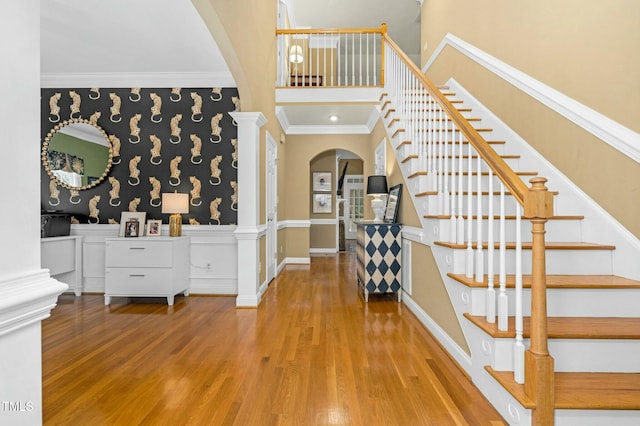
154,228
132,228
393,204
129,216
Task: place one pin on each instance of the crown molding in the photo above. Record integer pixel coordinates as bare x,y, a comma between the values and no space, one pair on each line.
151,79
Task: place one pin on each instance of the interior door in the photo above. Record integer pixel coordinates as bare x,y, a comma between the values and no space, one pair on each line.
353,204
272,207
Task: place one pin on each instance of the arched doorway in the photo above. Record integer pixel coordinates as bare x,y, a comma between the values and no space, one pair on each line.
336,189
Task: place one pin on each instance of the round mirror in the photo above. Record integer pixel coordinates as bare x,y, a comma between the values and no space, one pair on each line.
77,154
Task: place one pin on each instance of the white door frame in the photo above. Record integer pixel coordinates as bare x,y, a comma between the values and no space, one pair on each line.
347,186
271,207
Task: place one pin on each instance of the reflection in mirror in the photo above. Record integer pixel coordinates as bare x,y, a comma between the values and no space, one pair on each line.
77,154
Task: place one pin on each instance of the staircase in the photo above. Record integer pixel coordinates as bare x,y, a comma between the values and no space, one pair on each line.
487,256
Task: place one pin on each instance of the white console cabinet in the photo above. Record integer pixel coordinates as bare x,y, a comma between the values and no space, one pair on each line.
62,256
146,267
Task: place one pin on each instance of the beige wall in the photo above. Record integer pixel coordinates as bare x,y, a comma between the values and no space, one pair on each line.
429,291
586,50
323,236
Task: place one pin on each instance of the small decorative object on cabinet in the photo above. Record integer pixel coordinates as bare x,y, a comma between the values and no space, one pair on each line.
146,267
378,253
62,256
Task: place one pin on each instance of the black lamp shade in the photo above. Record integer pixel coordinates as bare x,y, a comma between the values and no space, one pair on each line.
377,184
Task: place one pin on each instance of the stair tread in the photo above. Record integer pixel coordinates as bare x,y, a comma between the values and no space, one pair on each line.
567,327
527,245
602,391
557,281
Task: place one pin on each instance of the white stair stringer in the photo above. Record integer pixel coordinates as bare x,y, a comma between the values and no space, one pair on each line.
597,226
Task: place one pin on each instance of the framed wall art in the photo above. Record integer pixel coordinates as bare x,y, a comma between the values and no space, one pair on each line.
321,203
321,181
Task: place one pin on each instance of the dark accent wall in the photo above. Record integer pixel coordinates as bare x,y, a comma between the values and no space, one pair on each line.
175,136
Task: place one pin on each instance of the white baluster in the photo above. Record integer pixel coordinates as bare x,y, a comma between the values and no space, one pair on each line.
503,312
469,268
479,250
431,176
491,293
452,218
518,357
440,202
460,220
445,173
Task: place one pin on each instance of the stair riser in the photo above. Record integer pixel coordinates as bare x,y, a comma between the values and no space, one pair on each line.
605,356
422,183
622,303
612,356
596,417
406,150
557,231
430,204
558,262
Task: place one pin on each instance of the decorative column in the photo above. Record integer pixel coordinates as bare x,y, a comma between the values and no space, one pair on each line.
248,230
27,292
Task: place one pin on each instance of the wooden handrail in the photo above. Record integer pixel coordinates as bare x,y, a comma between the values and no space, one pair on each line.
538,207
518,188
289,31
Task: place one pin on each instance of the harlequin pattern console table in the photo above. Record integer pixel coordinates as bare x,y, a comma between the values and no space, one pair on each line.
378,252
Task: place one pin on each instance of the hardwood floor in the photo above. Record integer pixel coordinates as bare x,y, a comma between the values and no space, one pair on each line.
313,353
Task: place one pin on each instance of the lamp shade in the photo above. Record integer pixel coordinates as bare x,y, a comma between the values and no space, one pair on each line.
377,185
295,54
175,203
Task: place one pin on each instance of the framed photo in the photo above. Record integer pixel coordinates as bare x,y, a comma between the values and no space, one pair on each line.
129,216
393,203
321,203
154,228
132,228
321,181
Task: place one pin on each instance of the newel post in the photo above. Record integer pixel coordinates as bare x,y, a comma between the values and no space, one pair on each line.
539,365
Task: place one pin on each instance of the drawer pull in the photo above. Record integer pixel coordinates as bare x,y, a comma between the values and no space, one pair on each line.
136,275
136,248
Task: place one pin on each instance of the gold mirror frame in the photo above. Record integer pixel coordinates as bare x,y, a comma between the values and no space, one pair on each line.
47,143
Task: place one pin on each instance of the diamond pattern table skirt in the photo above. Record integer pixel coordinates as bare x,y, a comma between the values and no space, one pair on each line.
378,251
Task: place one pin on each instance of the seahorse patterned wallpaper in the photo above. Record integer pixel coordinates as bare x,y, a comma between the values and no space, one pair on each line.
163,140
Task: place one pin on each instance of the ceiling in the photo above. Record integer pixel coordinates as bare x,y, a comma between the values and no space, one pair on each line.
164,43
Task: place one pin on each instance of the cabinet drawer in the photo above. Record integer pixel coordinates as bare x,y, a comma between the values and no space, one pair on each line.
137,281
142,254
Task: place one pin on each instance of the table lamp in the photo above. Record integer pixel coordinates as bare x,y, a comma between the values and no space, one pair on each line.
174,204
377,187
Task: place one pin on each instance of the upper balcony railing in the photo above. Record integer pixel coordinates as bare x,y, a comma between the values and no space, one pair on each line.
331,57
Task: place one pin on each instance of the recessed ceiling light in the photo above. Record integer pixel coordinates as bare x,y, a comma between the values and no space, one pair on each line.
333,117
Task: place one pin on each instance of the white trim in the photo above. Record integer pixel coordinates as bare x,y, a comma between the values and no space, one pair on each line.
618,136
323,250
297,260
460,356
283,224
412,233
324,221
27,299
150,79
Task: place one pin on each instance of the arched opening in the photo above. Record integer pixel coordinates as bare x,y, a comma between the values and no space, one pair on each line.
336,188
